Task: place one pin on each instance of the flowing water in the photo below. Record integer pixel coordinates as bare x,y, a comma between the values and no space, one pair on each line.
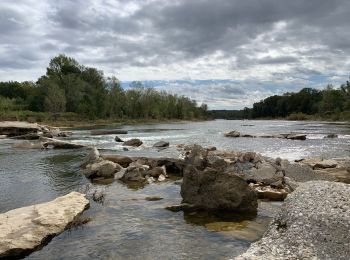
126,226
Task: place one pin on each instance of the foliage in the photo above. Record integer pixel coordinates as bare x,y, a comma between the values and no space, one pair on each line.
329,103
70,87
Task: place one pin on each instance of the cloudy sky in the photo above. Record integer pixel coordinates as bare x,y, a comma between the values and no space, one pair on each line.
227,53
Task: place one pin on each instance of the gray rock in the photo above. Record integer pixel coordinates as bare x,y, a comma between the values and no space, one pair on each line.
133,142
232,134
135,173
92,157
313,223
302,173
104,168
211,189
161,144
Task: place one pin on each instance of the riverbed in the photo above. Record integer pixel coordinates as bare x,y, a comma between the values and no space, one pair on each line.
125,225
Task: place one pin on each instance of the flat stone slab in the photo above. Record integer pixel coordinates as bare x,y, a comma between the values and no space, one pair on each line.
24,230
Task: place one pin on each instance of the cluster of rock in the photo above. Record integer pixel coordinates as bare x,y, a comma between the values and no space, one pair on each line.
290,136
129,169
42,135
30,131
23,230
313,223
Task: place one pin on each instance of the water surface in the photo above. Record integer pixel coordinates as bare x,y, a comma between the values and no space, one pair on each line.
127,226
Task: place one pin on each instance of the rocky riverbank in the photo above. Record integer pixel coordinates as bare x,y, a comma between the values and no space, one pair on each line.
313,223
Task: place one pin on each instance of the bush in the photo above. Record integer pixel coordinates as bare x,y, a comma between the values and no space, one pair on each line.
297,116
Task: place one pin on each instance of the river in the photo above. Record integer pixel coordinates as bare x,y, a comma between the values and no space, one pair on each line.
126,226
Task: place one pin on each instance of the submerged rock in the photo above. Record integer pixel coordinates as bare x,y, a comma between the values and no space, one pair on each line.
331,136
313,223
29,145
59,144
24,230
108,132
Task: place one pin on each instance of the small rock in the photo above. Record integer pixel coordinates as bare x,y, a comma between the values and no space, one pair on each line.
161,144
118,140
133,142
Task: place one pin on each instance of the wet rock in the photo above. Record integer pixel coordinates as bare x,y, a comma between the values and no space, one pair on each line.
161,144
313,223
59,144
3,136
29,145
64,134
133,142
24,230
92,157
108,132
331,136
135,173
104,168
296,137
30,136
211,189
233,134
118,140
153,198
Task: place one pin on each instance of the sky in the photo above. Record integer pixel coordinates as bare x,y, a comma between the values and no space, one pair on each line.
226,53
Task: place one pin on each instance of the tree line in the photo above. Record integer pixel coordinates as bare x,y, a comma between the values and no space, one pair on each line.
331,102
69,86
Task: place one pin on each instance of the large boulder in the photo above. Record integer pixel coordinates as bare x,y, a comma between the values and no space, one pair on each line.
24,230
133,142
313,223
211,189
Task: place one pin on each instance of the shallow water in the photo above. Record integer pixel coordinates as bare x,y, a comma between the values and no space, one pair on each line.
126,226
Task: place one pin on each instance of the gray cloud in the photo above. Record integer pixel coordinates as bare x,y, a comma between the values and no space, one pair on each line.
256,41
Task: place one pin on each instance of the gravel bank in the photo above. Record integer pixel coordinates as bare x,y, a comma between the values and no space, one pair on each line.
313,223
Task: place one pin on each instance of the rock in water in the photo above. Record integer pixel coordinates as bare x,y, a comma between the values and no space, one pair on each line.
118,140
23,230
161,144
213,189
313,223
233,134
133,142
